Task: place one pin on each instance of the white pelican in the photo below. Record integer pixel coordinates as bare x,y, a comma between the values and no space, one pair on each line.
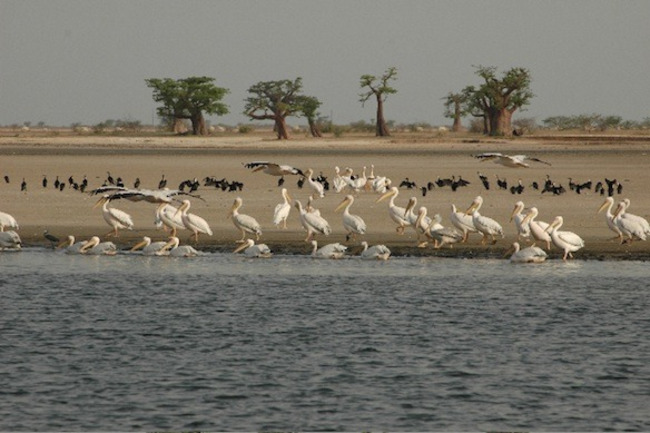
396,213
485,225
116,218
359,182
156,196
375,252
272,168
440,234
338,182
10,239
193,222
512,161
7,221
609,217
173,249
537,228
329,251
569,242
169,218
353,224
245,223
531,254
251,249
94,247
462,222
282,210
317,187
632,226
149,248
523,229
422,222
312,222
71,247
381,184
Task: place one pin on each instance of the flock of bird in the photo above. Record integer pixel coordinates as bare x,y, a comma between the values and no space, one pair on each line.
626,226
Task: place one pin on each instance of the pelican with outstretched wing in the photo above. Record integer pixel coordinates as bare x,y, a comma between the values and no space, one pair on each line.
512,161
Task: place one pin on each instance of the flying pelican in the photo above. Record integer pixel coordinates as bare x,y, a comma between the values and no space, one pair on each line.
155,196
569,242
512,161
537,228
253,250
396,213
531,254
149,248
168,216
633,226
282,210
71,247
375,252
523,229
94,247
487,226
329,251
10,239
353,224
173,249
273,169
317,187
245,223
609,217
116,218
312,222
462,222
193,222
8,221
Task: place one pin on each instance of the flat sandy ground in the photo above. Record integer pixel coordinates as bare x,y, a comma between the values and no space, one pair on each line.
421,158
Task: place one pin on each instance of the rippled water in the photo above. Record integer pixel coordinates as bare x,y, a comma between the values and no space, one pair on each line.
221,342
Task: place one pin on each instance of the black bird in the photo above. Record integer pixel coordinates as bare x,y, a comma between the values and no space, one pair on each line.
136,184
23,185
424,191
406,183
610,186
517,189
430,185
44,181
70,180
119,182
84,182
57,182
599,188
281,181
110,178
50,237
619,188
6,179
535,185
162,183
61,186
501,183
300,182
484,180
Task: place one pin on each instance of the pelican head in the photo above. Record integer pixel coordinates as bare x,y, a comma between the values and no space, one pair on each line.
532,213
476,204
286,195
92,242
557,223
183,207
609,201
146,240
171,243
104,199
519,206
410,205
236,205
620,208
347,201
390,193
67,242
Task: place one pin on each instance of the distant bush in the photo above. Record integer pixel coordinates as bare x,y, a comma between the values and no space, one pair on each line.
245,129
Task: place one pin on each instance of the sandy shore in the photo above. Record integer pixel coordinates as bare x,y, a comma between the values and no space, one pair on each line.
419,157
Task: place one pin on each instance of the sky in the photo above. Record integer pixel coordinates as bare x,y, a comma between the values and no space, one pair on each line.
86,61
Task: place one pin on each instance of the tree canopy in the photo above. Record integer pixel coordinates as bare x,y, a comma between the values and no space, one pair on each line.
378,86
275,100
188,98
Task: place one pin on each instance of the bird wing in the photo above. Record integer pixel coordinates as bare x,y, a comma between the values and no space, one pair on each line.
488,156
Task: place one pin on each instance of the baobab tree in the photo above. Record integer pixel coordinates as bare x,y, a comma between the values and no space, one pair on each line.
455,108
188,98
310,106
380,89
275,100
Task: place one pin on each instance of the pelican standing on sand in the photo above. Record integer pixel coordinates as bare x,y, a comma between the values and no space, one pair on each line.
568,242
375,252
8,221
192,222
116,218
609,218
353,224
282,210
537,228
318,190
312,222
523,229
245,223
169,217
253,250
329,251
485,225
396,213
462,222
632,226
531,254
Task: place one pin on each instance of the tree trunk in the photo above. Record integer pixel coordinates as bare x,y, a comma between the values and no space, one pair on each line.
381,128
500,122
281,128
457,116
313,128
198,124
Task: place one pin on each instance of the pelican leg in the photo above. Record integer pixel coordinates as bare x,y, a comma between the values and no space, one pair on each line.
173,231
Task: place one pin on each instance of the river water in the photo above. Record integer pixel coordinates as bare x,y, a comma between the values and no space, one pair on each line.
221,342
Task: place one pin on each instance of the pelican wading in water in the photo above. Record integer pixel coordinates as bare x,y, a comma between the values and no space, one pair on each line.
282,210
396,213
329,251
485,225
253,250
173,249
568,242
375,252
244,223
537,228
312,222
116,218
353,224
10,240
193,222
8,221
609,218
512,161
149,248
96,248
531,254
71,247
462,222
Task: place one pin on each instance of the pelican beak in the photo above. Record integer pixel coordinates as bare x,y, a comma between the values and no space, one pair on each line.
100,202
181,208
550,227
137,246
619,209
63,243
526,218
385,196
342,205
509,252
603,206
514,211
409,206
289,198
240,248
470,209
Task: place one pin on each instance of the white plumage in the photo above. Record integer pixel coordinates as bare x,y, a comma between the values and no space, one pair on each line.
329,251
518,216
282,210
149,248
538,228
169,217
531,254
173,249
10,239
609,217
8,221
568,242
512,161
632,226
485,225
312,222
353,224
318,190
116,218
375,252
253,250
94,247
462,222
245,223
193,222
396,213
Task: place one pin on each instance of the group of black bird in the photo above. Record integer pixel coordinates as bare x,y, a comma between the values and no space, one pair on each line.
607,187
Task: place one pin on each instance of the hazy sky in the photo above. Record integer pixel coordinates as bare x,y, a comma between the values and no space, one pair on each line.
65,61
